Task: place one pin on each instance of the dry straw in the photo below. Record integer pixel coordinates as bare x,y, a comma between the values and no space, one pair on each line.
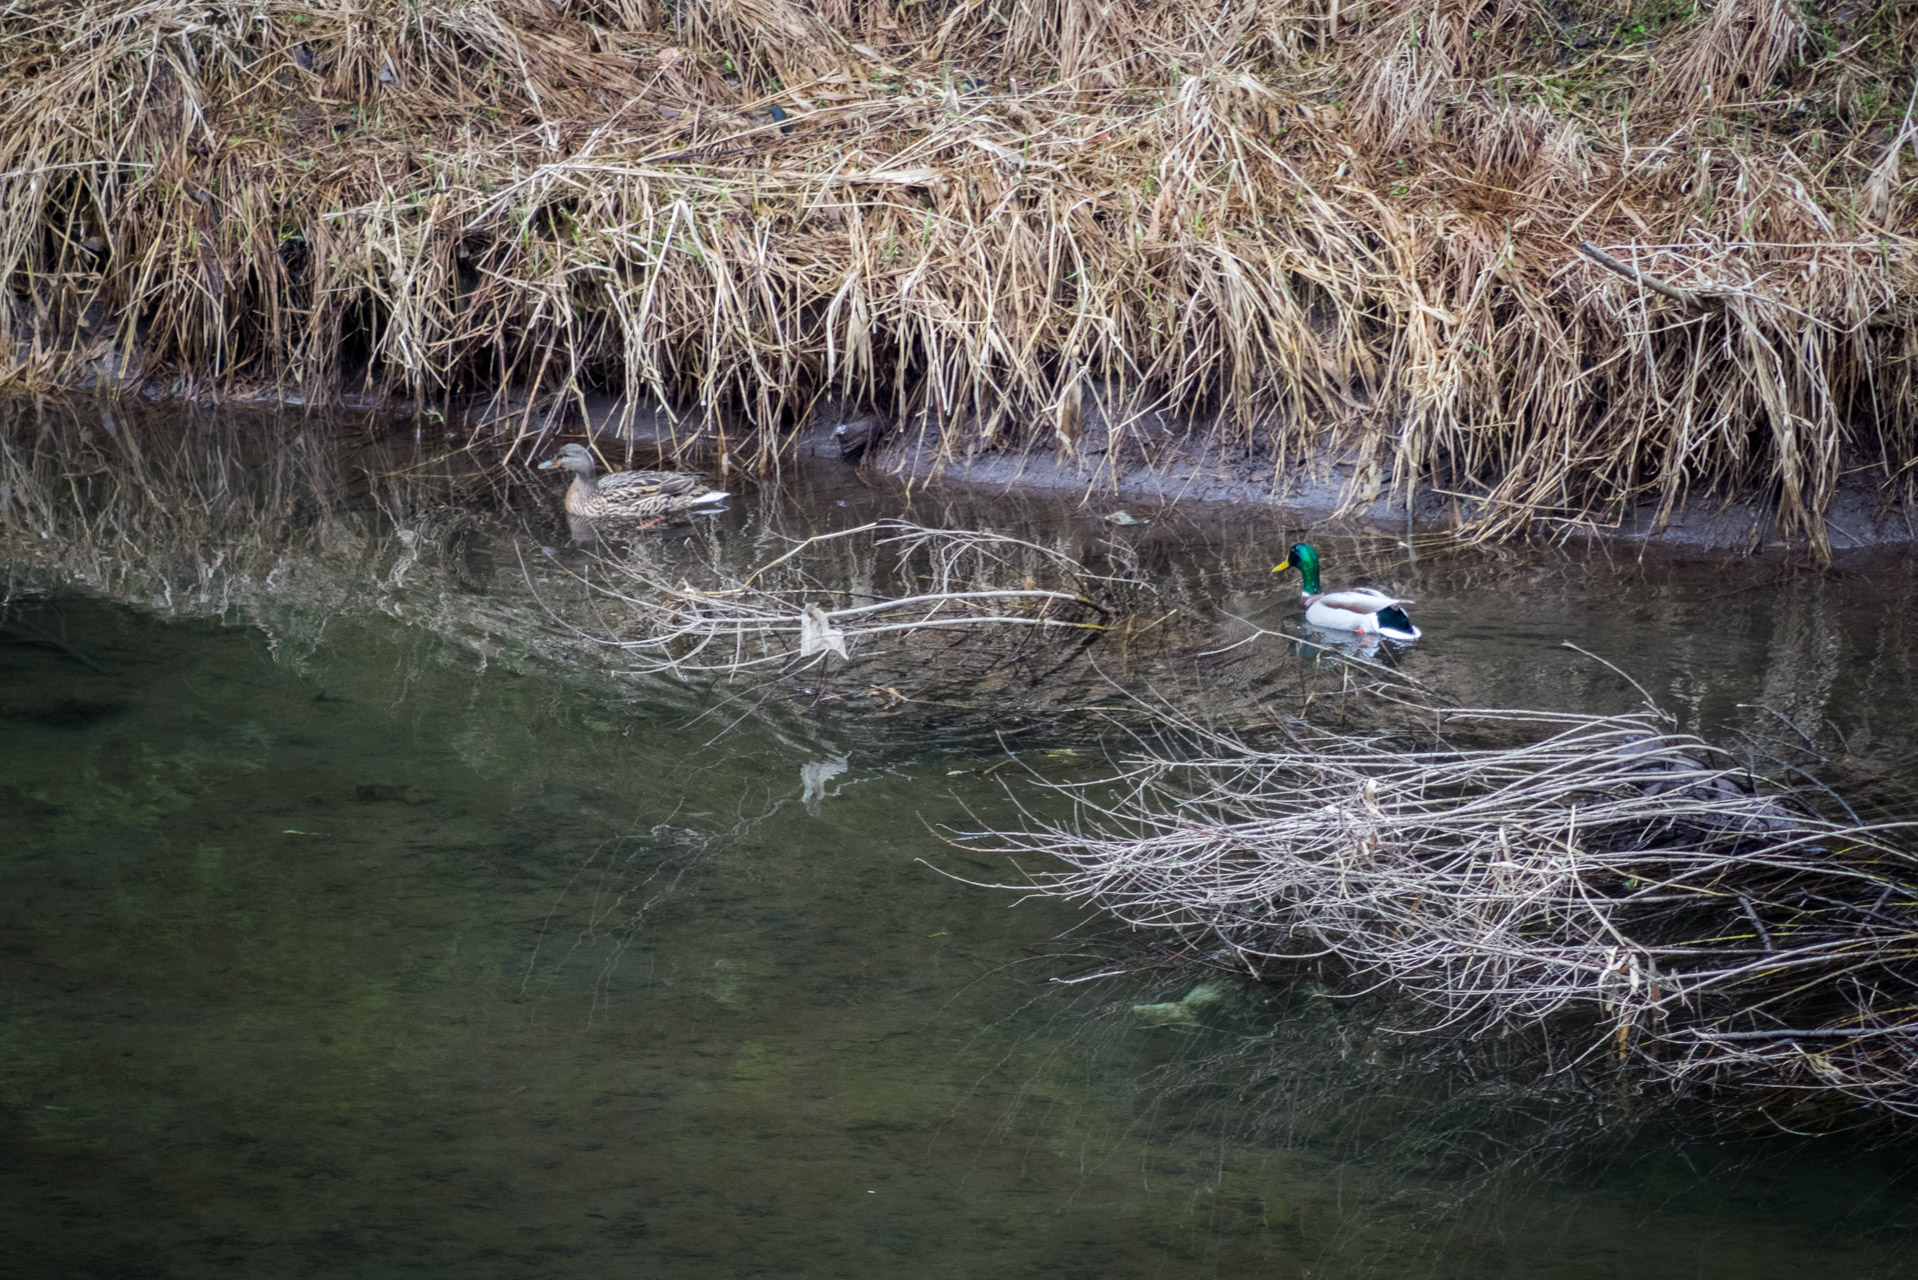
1309,227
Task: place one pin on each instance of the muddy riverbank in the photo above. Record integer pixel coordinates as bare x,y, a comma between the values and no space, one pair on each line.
1111,475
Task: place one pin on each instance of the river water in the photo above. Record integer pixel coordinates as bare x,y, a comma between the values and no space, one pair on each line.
365,915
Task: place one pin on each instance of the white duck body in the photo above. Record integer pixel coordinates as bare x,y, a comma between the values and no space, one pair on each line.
1369,613
1360,609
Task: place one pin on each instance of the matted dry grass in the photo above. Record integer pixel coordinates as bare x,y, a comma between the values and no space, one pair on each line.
1312,226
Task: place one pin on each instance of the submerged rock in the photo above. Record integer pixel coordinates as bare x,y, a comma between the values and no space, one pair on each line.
1184,1011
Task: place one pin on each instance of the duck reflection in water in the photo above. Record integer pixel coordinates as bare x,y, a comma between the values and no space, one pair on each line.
1344,644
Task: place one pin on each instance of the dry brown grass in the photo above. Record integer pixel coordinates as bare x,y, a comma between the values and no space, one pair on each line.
1324,227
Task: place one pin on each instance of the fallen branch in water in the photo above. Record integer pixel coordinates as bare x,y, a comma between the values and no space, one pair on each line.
780,616
1631,886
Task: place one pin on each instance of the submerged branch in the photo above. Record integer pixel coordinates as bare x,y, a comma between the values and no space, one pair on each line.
1609,874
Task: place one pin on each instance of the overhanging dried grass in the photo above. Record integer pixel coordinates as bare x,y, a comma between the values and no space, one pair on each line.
1321,227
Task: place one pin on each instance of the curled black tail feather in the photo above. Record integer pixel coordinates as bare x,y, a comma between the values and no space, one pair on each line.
1393,622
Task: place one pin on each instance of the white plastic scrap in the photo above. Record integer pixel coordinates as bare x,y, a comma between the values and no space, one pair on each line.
818,635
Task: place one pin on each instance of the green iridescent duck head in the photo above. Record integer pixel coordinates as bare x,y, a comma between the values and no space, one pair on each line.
1307,561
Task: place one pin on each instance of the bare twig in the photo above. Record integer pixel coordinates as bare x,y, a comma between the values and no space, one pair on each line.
1636,276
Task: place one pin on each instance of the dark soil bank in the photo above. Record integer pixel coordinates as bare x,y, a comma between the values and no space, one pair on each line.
1190,468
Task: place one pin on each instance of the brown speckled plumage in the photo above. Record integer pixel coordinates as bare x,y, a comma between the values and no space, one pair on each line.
628,495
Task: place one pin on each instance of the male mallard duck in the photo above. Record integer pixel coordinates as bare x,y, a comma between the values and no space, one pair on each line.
1360,609
632,495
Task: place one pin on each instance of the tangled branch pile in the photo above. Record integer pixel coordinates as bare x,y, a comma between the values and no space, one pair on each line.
1316,227
952,608
1610,875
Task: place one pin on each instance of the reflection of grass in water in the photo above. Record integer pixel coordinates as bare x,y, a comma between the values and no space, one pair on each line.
356,1003
295,525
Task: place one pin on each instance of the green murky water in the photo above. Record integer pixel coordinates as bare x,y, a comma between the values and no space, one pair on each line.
361,920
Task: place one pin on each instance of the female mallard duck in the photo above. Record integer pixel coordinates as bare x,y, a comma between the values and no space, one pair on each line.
631,495
1360,609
